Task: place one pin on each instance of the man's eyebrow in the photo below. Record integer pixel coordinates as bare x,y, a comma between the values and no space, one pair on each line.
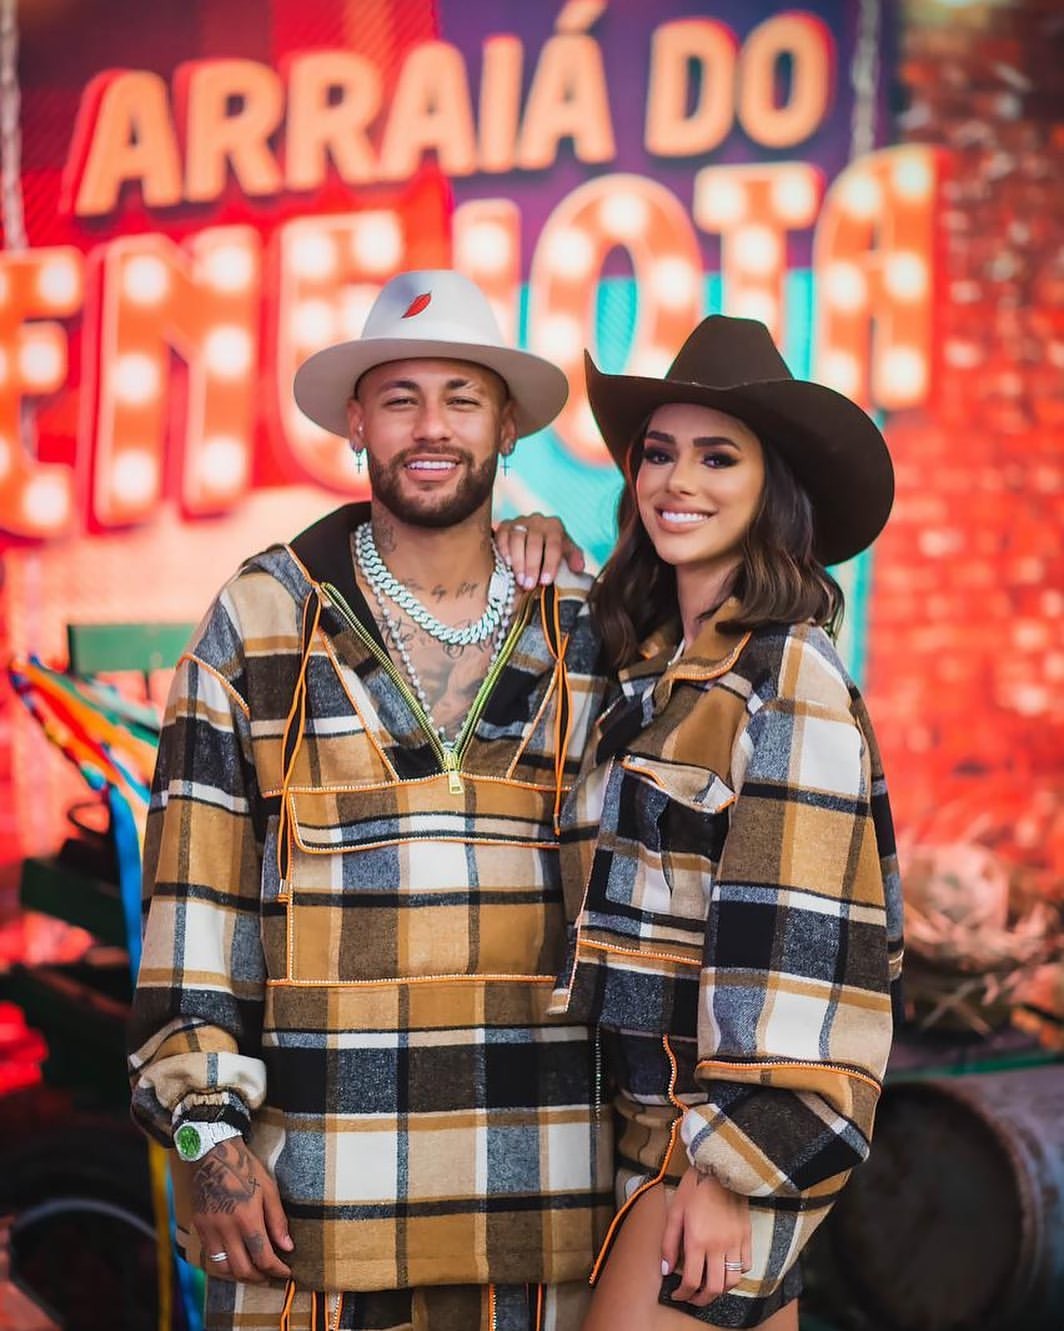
411,386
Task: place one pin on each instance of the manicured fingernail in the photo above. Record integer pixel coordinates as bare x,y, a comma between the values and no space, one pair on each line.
665,1268
527,580
545,578
287,1243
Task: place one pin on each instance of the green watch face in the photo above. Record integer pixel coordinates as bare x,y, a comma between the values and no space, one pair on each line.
187,1141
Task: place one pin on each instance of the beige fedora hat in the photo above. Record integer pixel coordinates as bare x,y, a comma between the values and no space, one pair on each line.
437,313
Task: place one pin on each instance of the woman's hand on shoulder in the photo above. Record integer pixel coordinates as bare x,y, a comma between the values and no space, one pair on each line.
706,1239
534,546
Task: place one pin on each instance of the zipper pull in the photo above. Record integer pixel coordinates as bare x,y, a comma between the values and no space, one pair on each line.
450,766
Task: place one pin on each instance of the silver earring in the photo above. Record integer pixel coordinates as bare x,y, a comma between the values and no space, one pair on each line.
506,464
359,455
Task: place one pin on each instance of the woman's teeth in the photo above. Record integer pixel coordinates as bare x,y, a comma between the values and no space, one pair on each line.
682,517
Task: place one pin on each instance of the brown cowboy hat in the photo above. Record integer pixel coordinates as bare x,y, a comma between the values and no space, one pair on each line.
833,447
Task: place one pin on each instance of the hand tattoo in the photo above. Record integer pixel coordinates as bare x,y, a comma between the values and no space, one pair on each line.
224,1179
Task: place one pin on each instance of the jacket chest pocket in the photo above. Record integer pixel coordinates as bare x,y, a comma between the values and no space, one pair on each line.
671,823
410,880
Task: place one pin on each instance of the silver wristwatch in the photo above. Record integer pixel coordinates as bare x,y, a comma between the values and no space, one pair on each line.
193,1140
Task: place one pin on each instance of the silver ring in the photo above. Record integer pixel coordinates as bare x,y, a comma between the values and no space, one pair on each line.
519,526
217,1257
733,1266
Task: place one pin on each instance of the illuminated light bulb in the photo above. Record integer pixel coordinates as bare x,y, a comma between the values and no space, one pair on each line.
313,323
571,253
840,370
377,242
229,268
794,197
846,286
136,379
59,282
756,249
145,280
561,337
312,254
651,362
912,176
227,351
40,362
355,304
223,463
485,247
860,195
755,305
721,203
625,215
46,501
904,373
135,476
6,458
674,282
905,276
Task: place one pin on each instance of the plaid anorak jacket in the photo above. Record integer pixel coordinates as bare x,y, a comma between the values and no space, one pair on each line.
352,935
732,884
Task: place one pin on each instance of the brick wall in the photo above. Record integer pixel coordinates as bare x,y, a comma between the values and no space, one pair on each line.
966,672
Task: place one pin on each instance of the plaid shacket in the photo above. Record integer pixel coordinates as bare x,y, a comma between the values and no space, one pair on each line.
735,909
352,937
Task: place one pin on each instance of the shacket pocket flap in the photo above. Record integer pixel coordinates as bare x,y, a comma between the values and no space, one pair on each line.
363,819
685,783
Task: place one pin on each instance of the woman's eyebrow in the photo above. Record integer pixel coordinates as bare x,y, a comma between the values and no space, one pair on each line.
701,441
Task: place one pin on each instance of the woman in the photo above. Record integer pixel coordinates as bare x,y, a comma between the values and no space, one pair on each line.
728,852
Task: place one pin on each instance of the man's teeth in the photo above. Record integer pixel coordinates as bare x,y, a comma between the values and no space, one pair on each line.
442,465
682,517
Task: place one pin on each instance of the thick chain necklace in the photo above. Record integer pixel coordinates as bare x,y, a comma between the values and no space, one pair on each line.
394,631
500,595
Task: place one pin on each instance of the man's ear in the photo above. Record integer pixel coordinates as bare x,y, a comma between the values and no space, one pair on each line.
355,420
508,428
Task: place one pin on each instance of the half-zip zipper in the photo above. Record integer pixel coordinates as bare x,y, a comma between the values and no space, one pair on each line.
449,752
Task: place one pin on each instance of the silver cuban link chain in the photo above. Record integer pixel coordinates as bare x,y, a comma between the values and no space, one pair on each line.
500,595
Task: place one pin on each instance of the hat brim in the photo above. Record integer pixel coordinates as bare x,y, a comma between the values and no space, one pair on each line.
833,447
325,382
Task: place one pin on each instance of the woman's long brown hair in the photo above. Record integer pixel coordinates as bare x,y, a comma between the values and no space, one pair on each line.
779,579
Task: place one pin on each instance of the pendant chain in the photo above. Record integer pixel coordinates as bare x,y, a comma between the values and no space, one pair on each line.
502,613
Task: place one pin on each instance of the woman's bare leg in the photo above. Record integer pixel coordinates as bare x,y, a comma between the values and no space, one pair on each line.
626,1296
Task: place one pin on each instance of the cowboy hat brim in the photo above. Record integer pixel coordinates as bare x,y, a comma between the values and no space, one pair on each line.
326,381
833,447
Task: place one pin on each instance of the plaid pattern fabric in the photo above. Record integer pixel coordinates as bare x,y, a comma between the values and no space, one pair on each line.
731,874
351,951
432,1308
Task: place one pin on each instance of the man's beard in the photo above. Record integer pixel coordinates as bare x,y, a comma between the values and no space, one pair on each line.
428,510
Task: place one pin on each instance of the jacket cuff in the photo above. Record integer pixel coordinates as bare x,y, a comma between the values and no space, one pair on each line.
213,1107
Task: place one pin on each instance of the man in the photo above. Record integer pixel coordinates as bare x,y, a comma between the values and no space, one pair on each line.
355,914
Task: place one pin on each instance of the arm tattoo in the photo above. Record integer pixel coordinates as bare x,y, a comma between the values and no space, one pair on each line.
223,1181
